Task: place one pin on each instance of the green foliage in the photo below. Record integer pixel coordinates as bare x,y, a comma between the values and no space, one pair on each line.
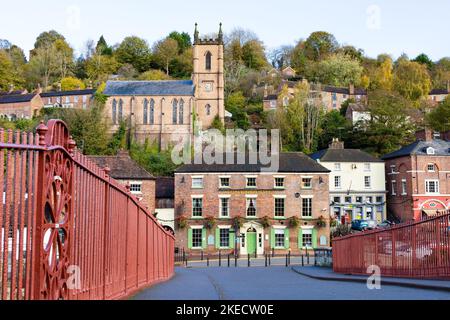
411,80
102,47
218,124
334,125
71,83
118,140
46,39
390,125
425,60
319,45
158,162
152,75
235,104
164,52
439,118
253,55
135,51
338,70
100,67
183,39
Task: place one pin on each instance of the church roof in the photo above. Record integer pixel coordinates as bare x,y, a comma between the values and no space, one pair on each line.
150,88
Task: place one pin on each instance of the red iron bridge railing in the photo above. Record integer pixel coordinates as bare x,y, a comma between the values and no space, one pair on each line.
412,250
68,230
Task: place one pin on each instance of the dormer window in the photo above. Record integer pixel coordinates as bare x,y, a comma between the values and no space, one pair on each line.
431,151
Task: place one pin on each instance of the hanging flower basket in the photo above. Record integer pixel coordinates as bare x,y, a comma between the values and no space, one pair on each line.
321,222
210,222
181,222
265,222
294,222
333,223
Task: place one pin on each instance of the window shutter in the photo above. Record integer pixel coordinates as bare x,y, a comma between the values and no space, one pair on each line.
217,238
190,238
272,239
314,238
300,238
287,241
232,239
204,244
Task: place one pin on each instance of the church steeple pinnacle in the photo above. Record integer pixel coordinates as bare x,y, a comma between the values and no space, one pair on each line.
220,36
196,33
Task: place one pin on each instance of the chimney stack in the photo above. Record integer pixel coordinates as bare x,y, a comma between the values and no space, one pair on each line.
336,144
352,89
11,88
424,135
266,90
39,89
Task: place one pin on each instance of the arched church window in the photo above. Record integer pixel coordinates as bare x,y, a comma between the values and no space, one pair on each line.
120,110
181,111
208,110
208,60
152,111
174,111
145,111
114,111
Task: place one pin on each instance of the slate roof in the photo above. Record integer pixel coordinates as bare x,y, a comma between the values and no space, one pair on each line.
358,91
16,98
122,167
271,97
67,93
343,155
441,148
150,88
288,163
165,188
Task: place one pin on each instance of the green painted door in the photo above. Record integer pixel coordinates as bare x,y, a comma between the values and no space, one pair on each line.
251,242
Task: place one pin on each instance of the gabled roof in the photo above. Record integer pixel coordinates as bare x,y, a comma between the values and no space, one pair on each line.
441,148
292,162
358,91
165,188
16,98
150,88
343,155
67,93
122,167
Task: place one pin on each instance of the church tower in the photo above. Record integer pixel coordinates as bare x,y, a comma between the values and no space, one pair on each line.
208,78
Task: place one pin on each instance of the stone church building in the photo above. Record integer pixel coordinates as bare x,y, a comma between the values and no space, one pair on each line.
164,111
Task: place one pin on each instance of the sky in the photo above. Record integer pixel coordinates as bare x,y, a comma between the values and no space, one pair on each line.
376,26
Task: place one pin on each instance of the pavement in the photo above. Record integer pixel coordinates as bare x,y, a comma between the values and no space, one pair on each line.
254,262
272,284
327,274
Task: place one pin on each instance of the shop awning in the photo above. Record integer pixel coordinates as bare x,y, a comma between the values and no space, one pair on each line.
430,213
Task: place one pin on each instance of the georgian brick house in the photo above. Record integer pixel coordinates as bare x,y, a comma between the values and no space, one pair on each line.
418,177
226,193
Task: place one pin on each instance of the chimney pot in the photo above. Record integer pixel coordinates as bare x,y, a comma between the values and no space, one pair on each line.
424,135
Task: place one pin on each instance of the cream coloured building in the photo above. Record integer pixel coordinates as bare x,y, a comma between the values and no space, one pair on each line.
357,183
165,111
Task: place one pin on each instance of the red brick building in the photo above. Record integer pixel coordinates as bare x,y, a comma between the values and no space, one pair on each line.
418,177
20,106
265,204
127,172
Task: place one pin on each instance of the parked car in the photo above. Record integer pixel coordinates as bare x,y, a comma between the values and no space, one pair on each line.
361,225
386,224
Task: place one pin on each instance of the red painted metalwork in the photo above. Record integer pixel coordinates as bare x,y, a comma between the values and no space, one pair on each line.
414,250
63,219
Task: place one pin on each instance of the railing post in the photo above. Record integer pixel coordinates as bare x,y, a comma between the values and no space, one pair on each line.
107,170
235,260
220,259
228,260
249,260
207,260
303,260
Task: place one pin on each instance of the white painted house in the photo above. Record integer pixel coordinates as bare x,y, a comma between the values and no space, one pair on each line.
357,183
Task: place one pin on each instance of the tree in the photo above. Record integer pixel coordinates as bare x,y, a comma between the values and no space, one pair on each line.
183,40
71,83
64,57
152,75
164,52
103,48
390,125
100,67
339,70
253,55
158,162
135,51
411,80
127,72
382,77
319,45
235,104
6,71
333,125
46,39
44,66
425,60
281,57
441,73
439,118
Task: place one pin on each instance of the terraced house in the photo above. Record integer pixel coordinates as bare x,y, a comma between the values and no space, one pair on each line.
281,211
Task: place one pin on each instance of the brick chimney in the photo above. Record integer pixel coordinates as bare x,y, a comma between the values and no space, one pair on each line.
11,88
351,89
266,90
424,135
39,89
336,144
